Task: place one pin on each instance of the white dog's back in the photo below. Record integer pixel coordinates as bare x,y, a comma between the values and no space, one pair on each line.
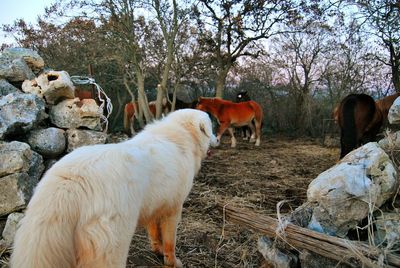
87,206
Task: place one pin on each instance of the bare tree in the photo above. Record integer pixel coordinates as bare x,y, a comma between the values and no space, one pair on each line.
382,19
231,29
170,17
298,54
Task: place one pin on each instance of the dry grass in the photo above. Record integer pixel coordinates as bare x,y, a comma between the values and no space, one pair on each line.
247,177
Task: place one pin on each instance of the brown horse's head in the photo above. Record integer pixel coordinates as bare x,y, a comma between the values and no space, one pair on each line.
203,104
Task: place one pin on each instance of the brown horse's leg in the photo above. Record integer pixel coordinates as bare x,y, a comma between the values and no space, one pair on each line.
233,139
258,133
222,127
253,132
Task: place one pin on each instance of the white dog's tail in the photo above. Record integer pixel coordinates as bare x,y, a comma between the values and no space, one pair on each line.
46,234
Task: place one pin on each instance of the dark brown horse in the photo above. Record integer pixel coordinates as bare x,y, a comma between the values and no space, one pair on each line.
179,104
241,97
359,121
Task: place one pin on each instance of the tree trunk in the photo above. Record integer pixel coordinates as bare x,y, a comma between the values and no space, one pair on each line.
142,101
220,81
395,65
160,96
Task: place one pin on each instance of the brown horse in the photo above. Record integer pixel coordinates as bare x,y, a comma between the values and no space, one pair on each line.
230,114
359,121
130,111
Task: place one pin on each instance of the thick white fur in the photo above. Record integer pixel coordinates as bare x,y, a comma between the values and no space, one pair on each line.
86,208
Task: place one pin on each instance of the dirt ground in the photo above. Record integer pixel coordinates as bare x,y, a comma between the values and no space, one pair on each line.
246,176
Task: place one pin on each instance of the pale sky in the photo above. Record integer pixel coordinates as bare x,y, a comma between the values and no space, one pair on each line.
11,10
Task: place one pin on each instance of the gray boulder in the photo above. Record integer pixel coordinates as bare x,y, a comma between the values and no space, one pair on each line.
79,137
344,194
19,113
53,86
49,142
6,88
31,57
11,227
394,112
14,70
75,113
388,230
274,256
20,171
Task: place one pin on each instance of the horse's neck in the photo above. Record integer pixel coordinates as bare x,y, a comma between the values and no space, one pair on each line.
214,107
385,103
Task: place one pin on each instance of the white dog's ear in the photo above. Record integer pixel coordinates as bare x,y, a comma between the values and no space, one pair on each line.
203,129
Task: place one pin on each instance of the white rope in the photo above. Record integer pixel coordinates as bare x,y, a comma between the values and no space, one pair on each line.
105,103
282,221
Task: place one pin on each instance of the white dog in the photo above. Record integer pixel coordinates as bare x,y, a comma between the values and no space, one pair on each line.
86,208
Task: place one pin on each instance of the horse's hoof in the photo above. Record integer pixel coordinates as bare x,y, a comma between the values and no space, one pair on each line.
176,263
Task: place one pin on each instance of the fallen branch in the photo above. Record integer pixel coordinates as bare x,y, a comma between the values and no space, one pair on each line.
350,252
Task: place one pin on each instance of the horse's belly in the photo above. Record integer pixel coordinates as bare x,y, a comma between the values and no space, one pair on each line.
239,124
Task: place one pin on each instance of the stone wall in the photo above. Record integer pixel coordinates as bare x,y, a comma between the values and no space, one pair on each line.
40,121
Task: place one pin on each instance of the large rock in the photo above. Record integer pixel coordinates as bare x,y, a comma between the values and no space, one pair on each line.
391,142
388,230
15,192
6,88
79,137
394,112
75,113
276,257
14,70
19,113
53,86
11,227
49,142
20,170
31,57
344,193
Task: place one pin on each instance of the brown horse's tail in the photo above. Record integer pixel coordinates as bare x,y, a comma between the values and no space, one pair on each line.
360,107
348,135
258,113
